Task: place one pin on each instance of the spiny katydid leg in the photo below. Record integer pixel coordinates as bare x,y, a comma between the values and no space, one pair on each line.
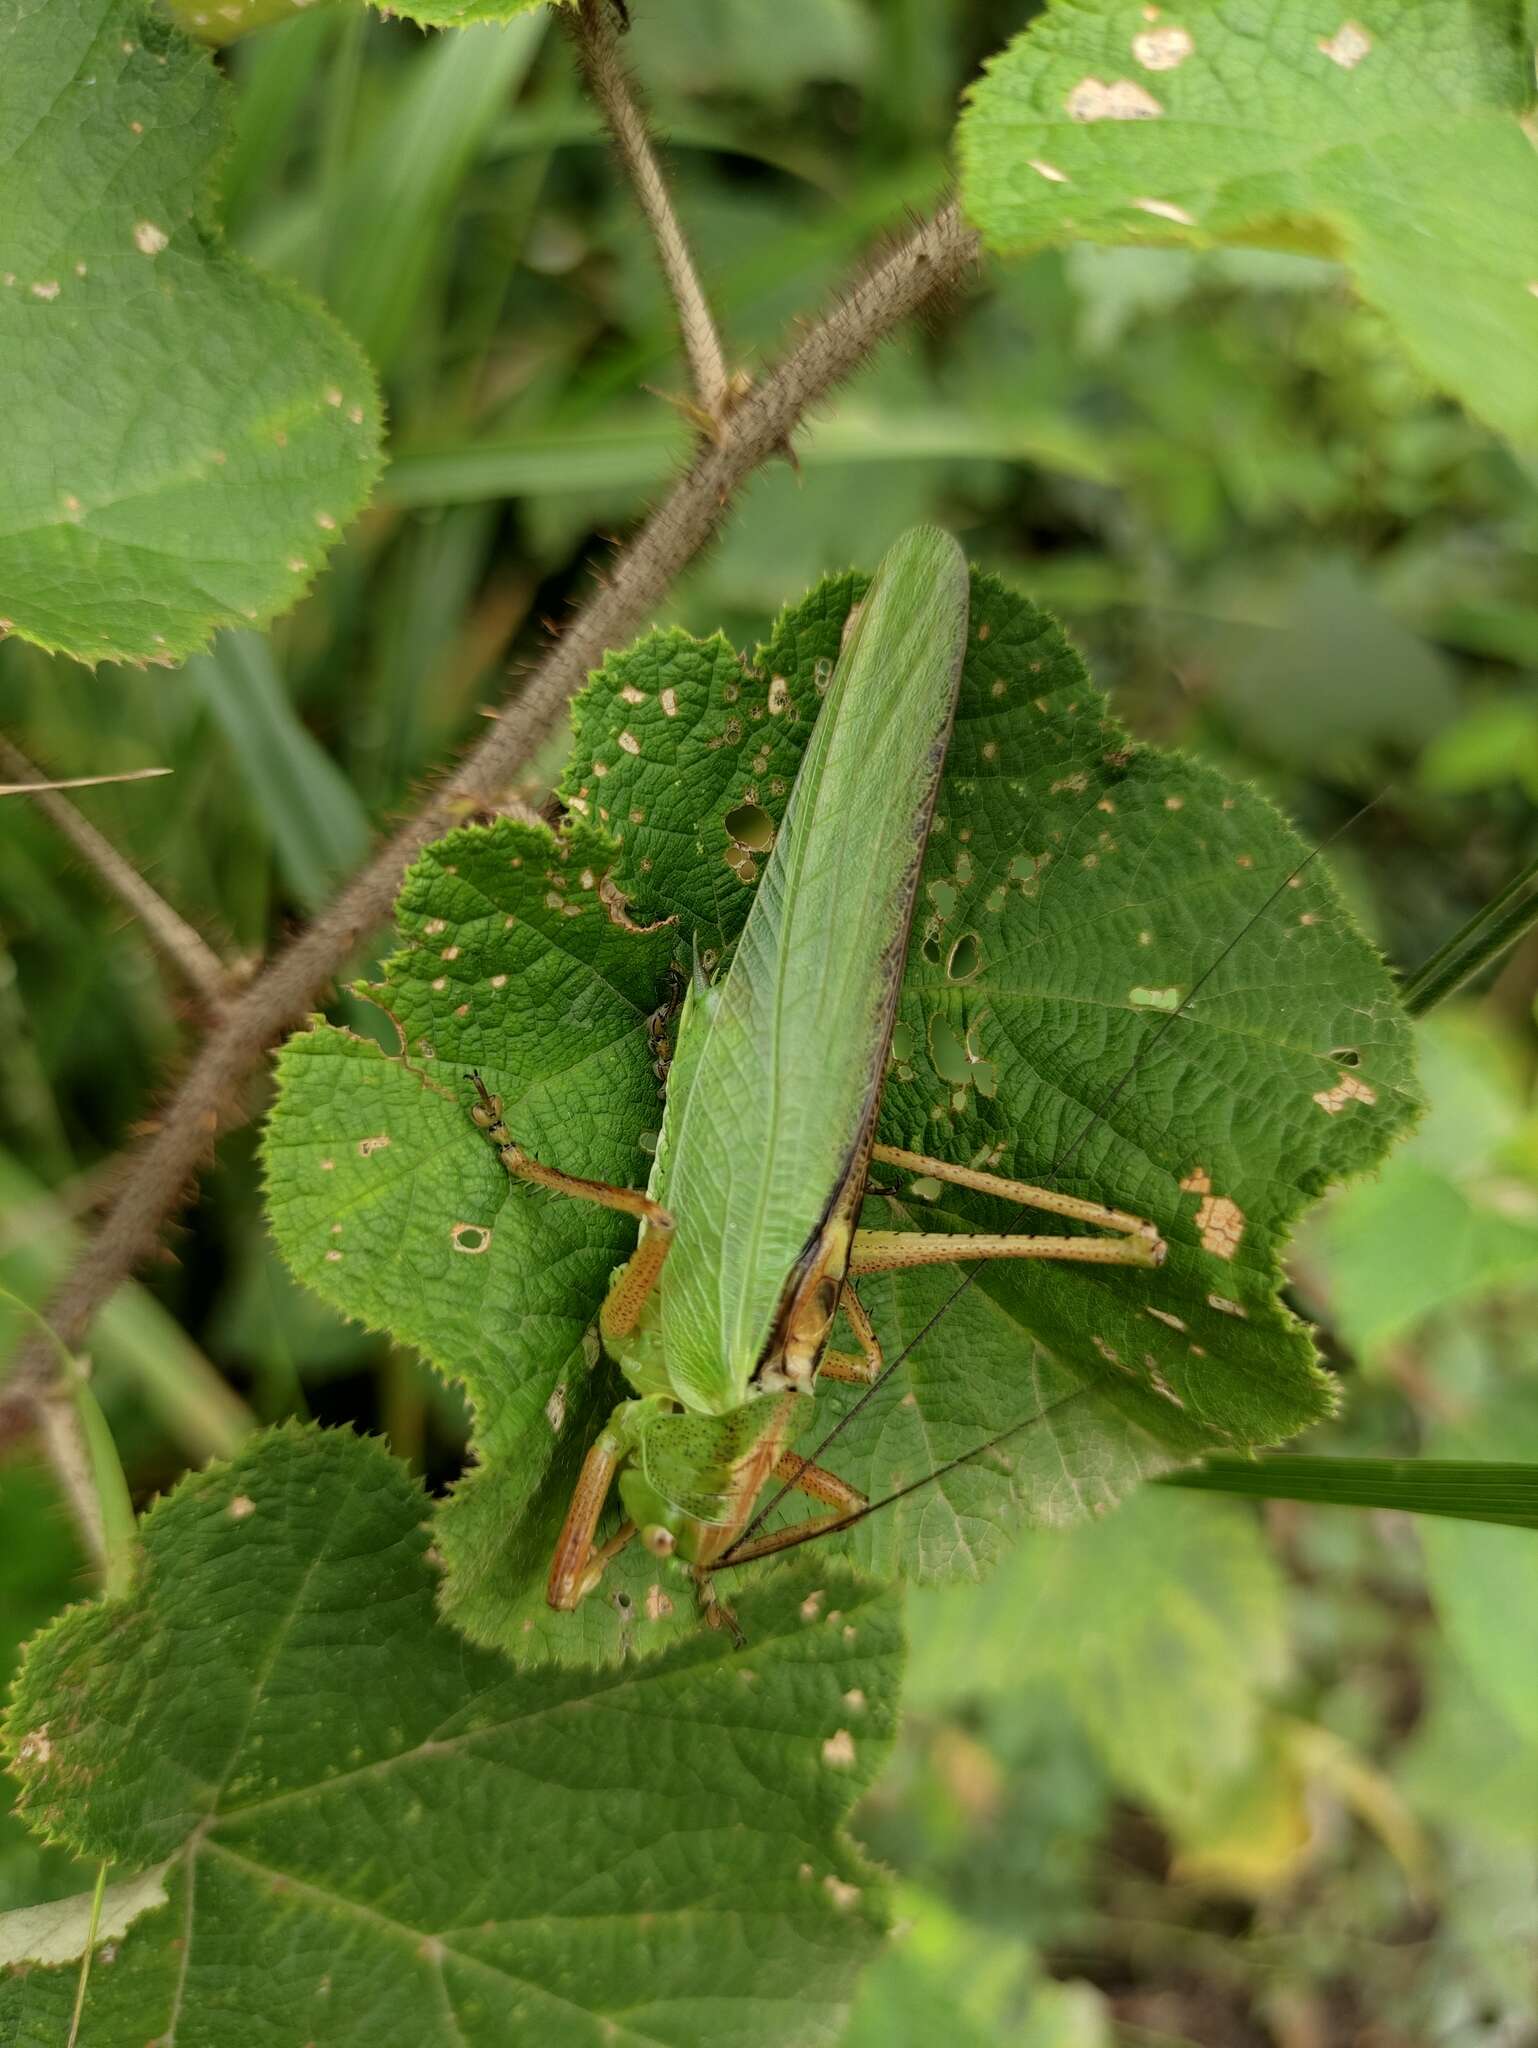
638,1276
578,1565
865,1370
1131,1240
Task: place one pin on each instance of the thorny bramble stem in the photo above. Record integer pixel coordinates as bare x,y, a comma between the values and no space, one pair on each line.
155,1178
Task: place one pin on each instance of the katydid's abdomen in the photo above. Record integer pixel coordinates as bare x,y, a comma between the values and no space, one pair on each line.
786,1079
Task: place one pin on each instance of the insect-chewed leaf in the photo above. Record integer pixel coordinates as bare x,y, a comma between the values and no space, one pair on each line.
1075,888
388,1201
555,1871
1389,135
185,436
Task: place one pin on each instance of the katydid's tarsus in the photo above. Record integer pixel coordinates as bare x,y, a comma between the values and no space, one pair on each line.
749,1237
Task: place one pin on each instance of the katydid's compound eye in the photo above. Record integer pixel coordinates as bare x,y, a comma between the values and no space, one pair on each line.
659,1541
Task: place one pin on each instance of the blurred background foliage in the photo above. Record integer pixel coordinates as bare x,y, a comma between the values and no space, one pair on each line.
1198,1774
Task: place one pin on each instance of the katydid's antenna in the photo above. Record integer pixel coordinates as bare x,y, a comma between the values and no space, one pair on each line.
1062,1160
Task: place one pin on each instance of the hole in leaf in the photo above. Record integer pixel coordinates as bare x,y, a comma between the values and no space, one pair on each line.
1346,1056
947,1052
965,959
751,826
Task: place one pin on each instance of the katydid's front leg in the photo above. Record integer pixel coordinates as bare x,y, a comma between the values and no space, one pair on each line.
628,1296
1131,1240
579,1564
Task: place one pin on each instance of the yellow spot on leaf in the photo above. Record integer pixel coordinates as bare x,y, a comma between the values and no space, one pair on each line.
1123,100
1162,49
1164,209
1348,1089
1348,46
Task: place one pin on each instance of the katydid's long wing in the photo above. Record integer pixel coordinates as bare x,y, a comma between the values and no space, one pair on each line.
798,1041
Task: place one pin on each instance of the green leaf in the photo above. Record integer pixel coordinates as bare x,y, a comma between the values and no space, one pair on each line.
40,1568
1484,1581
943,1979
222,21
1389,135
1439,1225
1076,888
513,968
1162,1628
387,1835
459,13
1468,1765
186,436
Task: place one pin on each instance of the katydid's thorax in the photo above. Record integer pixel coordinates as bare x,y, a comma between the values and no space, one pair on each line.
697,1476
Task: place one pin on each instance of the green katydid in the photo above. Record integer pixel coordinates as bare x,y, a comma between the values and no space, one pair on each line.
749,1237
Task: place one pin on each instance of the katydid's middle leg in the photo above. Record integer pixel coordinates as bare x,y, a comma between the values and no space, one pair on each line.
865,1370
1130,1240
627,1297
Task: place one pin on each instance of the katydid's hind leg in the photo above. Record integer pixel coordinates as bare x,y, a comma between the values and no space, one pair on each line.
820,1484
627,1297
865,1370
578,1565
1130,1240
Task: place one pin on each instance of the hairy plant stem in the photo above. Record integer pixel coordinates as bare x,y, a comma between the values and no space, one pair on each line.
155,1178
592,30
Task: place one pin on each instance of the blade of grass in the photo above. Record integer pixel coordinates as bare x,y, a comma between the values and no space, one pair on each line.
1468,1490
86,1457
1489,933
86,1955
390,231
320,830
137,1346
638,457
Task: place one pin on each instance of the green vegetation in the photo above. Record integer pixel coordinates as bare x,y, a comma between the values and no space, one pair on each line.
1230,402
